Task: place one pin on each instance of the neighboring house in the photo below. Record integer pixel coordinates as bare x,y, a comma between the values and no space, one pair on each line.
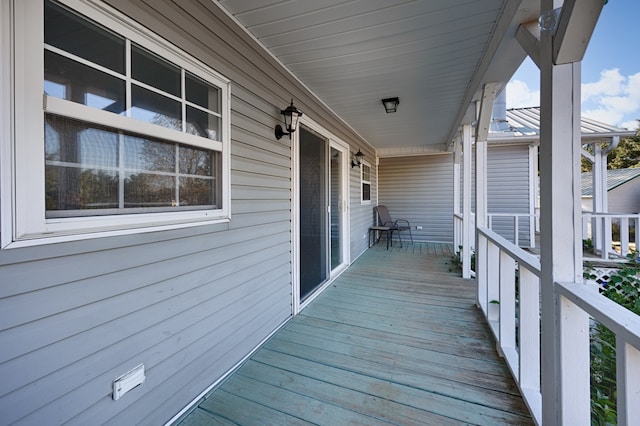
623,191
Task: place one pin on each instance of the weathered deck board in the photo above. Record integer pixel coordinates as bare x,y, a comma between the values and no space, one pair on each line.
396,339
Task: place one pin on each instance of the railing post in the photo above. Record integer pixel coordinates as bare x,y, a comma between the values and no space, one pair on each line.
637,233
481,273
628,372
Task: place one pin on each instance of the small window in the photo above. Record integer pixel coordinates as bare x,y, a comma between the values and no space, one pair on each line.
133,132
366,182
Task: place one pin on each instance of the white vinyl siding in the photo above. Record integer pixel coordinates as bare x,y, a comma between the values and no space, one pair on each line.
420,190
508,190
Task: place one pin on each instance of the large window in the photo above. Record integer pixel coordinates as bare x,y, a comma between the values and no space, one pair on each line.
134,132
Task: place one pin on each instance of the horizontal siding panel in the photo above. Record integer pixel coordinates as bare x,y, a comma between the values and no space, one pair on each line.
53,272
160,360
508,189
250,179
420,189
59,322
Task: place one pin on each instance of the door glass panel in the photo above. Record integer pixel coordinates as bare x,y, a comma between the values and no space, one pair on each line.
335,206
313,212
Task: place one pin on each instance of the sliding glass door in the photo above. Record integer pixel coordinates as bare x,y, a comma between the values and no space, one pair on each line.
322,209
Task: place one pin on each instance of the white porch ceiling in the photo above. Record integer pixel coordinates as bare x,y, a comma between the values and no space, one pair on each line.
434,55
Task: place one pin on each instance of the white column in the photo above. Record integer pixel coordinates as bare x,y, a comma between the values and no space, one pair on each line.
481,184
457,153
565,382
533,193
600,203
468,229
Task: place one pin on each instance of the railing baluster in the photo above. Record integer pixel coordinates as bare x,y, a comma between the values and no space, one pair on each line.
529,327
574,363
624,236
628,383
493,285
507,302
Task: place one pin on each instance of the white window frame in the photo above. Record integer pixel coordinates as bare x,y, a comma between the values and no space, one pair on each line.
22,165
363,182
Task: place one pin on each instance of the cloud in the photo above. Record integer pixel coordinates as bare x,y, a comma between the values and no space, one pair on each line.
613,99
519,95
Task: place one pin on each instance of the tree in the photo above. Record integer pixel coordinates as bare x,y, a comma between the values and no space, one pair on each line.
627,154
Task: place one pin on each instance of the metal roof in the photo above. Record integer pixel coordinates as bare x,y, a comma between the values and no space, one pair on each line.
526,122
615,178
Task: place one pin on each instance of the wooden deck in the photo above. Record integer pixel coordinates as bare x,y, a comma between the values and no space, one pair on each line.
396,339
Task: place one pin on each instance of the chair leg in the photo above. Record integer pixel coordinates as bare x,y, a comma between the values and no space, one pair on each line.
411,234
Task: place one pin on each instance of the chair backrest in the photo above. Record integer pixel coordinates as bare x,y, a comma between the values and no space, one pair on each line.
383,214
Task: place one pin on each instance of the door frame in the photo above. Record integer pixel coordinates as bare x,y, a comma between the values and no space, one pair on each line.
343,147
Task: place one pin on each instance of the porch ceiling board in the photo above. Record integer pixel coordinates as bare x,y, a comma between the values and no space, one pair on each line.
352,54
396,339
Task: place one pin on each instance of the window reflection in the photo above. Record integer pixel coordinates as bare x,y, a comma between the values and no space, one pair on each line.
94,170
154,108
79,36
73,81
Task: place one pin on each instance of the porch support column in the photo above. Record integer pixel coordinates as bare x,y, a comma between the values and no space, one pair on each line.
468,227
534,223
600,202
482,134
565,328
457,229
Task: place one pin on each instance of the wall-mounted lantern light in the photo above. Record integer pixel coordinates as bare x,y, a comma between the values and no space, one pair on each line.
391,104
357,159
291,116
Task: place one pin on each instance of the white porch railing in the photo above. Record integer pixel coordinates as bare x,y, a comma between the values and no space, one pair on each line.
458,229
513,313
516,220
601,223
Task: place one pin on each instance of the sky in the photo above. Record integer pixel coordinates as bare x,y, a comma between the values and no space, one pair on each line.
610,70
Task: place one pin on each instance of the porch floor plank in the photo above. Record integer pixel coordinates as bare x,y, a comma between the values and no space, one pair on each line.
396,339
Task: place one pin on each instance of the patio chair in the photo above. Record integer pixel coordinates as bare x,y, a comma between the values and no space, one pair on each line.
398,225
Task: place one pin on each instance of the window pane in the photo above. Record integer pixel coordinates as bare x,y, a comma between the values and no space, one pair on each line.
83,38
145,154
202,93
366,172
72,141
194,161
149,190
79,83
366,192
203,124
71,188
154,108
154,71
197,192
